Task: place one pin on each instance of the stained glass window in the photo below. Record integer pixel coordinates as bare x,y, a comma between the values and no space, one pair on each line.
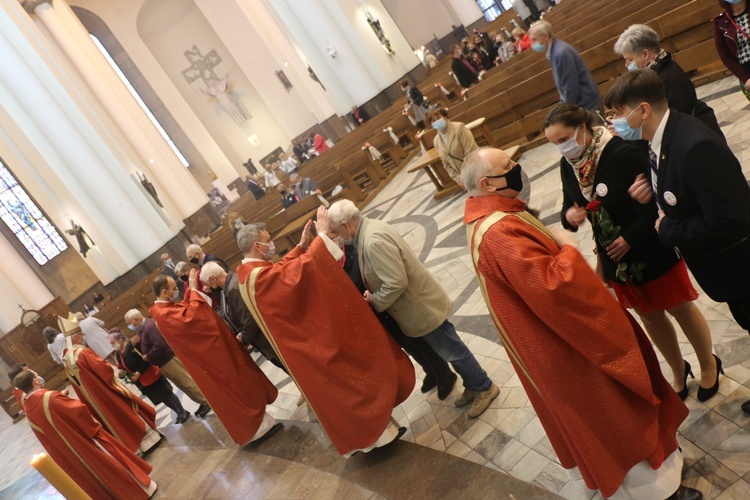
27,222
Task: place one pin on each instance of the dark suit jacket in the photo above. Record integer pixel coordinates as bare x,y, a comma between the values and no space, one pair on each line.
680,93
240,320
288,200
257,191
708,212
301,153
617,169
466,77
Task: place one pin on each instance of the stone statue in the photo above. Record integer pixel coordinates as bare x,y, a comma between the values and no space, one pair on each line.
83,239
150,189
218,90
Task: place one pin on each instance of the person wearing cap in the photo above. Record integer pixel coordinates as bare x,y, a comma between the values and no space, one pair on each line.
126,416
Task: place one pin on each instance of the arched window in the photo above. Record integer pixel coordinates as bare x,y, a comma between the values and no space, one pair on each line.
493,8
26,220
140,102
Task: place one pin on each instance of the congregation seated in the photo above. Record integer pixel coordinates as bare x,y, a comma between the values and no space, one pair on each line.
287,196
302,187
523,42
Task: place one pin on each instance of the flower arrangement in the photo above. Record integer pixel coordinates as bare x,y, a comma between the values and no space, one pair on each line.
606,232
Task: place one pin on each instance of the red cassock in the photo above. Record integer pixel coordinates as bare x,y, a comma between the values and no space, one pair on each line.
587,367
348,368
67,431
237,390
121,412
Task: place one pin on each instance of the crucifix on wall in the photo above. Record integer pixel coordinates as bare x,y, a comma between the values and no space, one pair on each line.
202,67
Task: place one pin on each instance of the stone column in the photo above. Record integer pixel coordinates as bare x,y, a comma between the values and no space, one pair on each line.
70,161
174,183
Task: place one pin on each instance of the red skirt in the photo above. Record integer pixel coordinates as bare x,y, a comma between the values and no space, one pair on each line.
665,292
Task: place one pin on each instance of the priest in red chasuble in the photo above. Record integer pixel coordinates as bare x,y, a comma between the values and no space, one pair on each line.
237,390
126,416
587,367
100,464
347,367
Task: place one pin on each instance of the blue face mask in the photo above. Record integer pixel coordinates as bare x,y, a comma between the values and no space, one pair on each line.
624,130
133,328
440,124
632,66
538,47
734,2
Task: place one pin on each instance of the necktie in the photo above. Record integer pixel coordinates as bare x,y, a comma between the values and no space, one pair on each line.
653,164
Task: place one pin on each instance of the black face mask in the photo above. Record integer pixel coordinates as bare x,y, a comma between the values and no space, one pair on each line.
513,178
194,260
184,278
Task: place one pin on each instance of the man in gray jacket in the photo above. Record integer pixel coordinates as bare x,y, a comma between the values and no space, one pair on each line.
399,283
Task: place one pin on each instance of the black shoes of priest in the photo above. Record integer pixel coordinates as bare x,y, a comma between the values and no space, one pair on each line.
182,417
202,410
273,430
685,493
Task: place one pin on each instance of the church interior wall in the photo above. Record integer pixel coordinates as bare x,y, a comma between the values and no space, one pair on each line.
169,28
434,19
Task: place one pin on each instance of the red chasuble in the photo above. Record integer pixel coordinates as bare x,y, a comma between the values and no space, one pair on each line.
120,411
237,390
67,431
349,369
587,367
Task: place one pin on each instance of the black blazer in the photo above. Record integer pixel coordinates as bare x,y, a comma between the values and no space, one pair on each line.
288,200
215,258
706,199
618,167
257,191
680,93
466,77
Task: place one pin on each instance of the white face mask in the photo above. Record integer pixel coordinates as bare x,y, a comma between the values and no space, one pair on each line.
570,149
176,295
271,250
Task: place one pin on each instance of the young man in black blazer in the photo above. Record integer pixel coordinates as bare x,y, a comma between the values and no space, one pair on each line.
701,192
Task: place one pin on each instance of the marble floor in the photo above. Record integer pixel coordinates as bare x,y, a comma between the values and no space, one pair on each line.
507,442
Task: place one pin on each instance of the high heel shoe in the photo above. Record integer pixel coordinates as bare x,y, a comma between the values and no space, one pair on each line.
706,394
683,394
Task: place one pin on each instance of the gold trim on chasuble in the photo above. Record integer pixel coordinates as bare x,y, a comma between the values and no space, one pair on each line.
45,404
475,239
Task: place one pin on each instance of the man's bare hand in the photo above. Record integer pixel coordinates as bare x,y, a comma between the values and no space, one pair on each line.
304,241
193,279
321,224
641,190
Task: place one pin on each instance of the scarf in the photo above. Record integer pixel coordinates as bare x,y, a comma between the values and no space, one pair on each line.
585,166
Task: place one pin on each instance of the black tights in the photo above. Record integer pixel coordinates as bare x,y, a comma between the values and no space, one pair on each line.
173,403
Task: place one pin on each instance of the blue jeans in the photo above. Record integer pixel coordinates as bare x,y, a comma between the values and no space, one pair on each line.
445,341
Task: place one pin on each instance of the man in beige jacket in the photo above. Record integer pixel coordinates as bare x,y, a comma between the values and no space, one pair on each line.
399,283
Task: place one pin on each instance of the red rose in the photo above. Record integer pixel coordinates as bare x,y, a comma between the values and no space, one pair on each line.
594,206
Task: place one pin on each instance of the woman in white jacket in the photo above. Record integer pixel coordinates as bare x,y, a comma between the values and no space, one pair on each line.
453,142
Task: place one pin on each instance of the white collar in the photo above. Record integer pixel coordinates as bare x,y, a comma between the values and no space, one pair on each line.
659,135
252,259
162,302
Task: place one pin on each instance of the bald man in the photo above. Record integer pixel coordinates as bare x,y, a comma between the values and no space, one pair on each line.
589,370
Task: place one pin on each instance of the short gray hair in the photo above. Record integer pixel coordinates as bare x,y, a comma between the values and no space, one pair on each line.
542,27
211,269
343,210
295,177
475,167
249,236
636,38
192,248
132,315
181,268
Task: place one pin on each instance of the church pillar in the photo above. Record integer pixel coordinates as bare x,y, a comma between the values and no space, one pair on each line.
71,161
467,11
19,285
174,183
